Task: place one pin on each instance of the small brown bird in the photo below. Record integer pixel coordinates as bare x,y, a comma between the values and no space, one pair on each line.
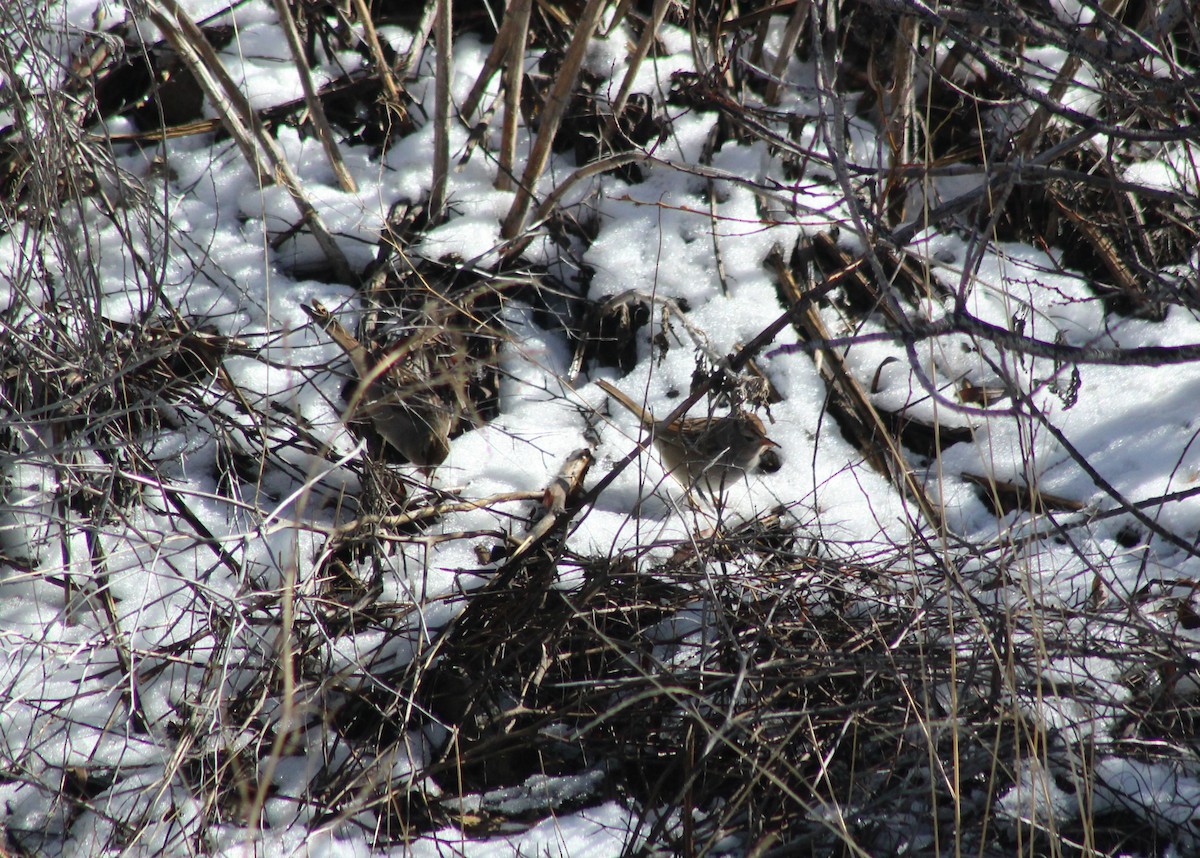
395,393
708,452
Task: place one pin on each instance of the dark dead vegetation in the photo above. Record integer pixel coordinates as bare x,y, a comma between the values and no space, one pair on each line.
754,694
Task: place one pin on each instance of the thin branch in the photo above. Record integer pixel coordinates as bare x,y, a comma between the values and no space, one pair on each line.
556,106
315,108
443,36
243,122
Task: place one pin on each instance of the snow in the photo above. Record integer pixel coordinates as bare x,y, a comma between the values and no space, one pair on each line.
208,241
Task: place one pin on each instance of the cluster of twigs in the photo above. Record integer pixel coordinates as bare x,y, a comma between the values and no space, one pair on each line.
797,705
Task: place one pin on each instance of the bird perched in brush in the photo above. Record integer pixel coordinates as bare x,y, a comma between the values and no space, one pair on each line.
395,391
706,452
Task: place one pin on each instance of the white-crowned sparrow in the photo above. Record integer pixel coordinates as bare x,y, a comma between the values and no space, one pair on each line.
395,393
706,452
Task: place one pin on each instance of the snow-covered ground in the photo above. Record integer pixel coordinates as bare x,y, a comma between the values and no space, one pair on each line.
137,637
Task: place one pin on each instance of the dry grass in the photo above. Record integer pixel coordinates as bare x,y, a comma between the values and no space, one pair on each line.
752,694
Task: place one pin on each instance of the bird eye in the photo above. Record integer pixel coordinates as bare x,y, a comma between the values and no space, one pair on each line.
770,462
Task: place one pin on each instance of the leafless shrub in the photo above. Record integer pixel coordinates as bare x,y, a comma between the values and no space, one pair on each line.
757,693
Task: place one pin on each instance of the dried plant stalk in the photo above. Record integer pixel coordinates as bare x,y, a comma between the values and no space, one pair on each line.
443,35
242,121
556,105
514,27
514,75
387,76
315,109
424,26
791,35
639,53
